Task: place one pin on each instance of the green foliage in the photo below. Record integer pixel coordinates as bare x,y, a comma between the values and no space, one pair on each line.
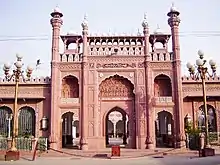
190,130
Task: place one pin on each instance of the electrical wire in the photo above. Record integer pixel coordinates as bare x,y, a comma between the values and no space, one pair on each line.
46,37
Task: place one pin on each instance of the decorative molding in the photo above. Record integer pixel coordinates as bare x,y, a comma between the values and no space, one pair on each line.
116,65
126,59
25,92
69,66
161,65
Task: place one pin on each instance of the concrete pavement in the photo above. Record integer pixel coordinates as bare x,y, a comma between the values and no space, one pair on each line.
166,160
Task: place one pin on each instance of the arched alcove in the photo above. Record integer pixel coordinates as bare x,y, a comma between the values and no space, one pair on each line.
70,87
162,86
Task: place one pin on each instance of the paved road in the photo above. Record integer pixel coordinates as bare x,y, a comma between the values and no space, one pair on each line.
167,160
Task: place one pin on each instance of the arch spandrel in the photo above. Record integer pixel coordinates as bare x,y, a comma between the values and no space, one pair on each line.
116,86
127,75
66,74
163,73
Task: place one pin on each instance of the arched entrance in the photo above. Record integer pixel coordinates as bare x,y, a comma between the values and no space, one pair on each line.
211,118
5,121
70,130
164,129
116,127
117,91
26,122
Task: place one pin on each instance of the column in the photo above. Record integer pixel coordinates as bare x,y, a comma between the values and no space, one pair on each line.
174,22
84,88
56,22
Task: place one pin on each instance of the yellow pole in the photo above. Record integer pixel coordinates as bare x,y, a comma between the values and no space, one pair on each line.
13,145
207,145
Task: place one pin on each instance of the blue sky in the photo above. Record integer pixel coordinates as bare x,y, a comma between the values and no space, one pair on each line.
199,28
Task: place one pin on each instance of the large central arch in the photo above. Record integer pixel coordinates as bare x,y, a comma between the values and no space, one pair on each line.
114,92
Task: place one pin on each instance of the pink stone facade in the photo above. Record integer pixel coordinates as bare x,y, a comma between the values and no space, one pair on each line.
100,73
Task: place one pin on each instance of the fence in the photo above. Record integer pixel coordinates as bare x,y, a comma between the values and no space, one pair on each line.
24,144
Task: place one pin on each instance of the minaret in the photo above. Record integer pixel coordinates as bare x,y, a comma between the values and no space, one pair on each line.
84,88
148,77
174,22
56,23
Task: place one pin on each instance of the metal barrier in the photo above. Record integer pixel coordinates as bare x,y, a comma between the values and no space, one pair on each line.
24,144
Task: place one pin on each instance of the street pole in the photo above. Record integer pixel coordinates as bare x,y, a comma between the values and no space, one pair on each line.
15,129
207,145
202,71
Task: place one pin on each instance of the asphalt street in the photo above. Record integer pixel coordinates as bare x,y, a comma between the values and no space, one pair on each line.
166,160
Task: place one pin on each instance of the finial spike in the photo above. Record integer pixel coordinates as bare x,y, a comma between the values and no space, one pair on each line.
158,26
85,16
173,5
145,16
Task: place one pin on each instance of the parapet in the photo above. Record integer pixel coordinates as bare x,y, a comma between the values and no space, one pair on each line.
189,79
35,80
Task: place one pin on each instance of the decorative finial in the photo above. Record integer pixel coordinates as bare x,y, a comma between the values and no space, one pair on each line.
145,16
139,33
144,23
158,26
85,23
173,11
158,30
173,8
56,11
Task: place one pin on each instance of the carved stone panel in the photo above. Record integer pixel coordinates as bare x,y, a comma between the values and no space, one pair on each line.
91,77
116,86
23,92
140,77
91,111
91,128
91,95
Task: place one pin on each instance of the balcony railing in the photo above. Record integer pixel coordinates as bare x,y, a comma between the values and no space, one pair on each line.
69,100
163,99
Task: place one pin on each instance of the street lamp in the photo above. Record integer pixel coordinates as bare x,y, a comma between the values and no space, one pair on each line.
202,72
17,75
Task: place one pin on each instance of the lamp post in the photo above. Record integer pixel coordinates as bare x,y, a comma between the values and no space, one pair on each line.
17,75
200,71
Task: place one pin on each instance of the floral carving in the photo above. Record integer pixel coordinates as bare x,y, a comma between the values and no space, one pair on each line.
116,86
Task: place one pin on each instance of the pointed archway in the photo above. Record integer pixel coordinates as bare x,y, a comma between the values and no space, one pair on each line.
164,129
116,127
